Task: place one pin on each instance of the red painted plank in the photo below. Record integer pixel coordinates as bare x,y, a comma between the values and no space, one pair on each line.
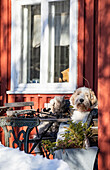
4,47
95,69
104,83
80,42
9,45
89,41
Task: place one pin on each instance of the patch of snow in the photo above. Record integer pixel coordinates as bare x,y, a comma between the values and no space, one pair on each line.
14,159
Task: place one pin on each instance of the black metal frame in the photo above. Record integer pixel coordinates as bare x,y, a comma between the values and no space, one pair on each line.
30,123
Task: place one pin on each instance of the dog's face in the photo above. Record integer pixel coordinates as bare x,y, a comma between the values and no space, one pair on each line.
83,99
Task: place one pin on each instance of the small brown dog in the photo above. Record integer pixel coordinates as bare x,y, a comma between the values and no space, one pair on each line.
59,105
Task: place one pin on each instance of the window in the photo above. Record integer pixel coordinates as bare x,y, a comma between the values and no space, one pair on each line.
31,43
59,41
44,46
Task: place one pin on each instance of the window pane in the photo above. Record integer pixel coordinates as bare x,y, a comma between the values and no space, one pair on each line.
59,41
31,41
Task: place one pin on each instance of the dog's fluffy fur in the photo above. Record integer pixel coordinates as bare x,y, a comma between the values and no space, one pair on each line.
59,105
83,100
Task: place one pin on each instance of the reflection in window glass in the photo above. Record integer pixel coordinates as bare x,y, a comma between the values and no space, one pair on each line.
59,41
31,42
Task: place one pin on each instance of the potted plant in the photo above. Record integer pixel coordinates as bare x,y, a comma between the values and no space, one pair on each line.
74,148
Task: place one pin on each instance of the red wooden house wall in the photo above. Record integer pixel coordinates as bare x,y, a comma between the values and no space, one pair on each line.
104,83
93,64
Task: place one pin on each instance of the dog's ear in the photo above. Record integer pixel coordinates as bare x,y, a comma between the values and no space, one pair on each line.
72,98
93,98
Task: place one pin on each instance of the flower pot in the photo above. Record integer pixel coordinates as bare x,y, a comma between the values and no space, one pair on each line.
78,159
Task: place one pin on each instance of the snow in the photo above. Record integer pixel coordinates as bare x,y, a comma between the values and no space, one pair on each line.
14,159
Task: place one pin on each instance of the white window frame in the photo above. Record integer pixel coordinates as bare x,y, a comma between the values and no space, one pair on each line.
42,87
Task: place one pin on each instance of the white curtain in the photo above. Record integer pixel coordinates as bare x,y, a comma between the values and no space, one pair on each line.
62,30
36,31
61,22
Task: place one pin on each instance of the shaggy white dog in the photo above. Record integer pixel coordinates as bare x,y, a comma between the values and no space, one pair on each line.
83,101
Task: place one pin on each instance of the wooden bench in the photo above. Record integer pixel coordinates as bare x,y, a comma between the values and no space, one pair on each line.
19,117
13,108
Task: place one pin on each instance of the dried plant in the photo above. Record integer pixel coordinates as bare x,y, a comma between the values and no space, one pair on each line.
73,137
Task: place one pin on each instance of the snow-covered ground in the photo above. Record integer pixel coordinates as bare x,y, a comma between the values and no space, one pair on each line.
13,159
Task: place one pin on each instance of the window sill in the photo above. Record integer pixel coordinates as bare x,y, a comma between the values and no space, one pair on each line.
56,88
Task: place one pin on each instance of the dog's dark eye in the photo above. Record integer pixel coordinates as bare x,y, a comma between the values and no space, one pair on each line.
78,93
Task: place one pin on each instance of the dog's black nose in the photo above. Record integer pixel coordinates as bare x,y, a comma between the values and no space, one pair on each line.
81,100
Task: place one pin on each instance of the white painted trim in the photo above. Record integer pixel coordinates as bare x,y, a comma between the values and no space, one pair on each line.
44,43
31,2
29,44
15,45
42,87
73,41
28,2
25,42
52,45
50,88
